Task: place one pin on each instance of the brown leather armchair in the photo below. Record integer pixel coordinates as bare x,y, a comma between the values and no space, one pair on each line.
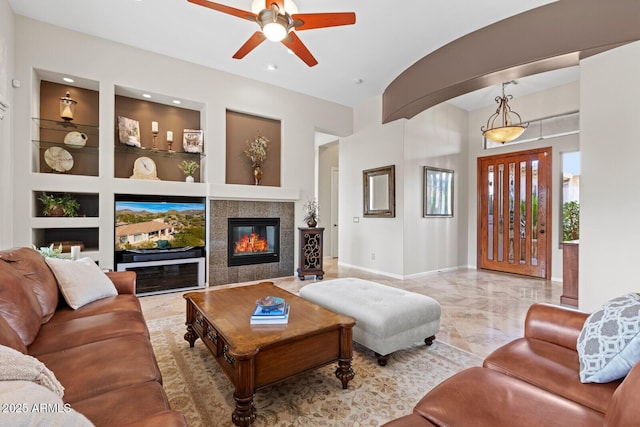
531,381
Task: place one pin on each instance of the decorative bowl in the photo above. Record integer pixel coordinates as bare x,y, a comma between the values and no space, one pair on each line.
269,303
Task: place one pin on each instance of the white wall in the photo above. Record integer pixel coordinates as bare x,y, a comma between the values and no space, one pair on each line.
610,152
556,101
408,244
42,46
6,94
437,137
371,146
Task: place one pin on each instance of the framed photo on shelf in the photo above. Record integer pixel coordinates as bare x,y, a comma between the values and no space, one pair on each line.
192,140
437,192
129,131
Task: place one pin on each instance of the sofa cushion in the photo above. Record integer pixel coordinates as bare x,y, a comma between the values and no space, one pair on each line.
609,343
101,306
9,338
550,367
133,403
483,397
30,264
81,281
96,368
18,305
56,336
38,405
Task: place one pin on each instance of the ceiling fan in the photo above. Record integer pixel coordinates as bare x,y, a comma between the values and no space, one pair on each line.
277,20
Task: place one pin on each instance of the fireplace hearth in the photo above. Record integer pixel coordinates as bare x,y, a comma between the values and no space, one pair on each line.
253,241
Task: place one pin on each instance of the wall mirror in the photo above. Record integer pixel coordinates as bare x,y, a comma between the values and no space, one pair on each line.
438,192
379,189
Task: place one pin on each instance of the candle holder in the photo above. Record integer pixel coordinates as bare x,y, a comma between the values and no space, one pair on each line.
155,141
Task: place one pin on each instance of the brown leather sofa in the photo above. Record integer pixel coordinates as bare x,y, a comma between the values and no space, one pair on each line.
532,381
100,353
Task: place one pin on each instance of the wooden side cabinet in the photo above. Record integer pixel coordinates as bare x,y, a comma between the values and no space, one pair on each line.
570,251
311,252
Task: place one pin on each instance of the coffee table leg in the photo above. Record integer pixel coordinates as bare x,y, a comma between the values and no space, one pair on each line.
245,412
344,372
191,335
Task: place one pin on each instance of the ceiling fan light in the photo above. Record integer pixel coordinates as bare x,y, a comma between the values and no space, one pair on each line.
274,31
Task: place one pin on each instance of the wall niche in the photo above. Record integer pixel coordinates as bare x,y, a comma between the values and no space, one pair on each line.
241,128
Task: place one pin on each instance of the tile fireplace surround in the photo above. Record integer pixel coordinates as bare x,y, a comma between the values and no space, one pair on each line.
221,211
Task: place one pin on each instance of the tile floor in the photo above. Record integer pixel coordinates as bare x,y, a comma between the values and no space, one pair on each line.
480,310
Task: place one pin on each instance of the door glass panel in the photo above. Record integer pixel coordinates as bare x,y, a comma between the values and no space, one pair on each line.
534,212
490,213
523,211
512,201
500,196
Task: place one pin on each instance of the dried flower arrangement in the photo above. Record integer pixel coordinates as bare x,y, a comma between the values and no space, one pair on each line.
256,149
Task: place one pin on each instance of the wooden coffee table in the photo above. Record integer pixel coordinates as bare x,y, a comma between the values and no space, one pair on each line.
255,356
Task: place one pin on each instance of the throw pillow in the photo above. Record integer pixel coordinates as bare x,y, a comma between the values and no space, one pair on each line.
81,281
609,343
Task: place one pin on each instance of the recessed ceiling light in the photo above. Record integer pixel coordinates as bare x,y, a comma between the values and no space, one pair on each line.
272,67
175,101
68,79
146,95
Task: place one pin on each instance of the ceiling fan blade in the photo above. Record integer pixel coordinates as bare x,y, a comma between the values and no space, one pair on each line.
244,14
295,44
250,44
309,21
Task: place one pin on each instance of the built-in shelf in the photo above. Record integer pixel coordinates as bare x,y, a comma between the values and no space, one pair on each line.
62,126
122,148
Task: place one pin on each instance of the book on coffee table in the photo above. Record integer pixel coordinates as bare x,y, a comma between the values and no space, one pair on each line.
270,317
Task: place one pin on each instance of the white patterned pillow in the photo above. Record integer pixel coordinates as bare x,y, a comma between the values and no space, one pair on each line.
609,343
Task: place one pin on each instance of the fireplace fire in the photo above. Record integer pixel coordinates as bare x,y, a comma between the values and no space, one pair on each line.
253,241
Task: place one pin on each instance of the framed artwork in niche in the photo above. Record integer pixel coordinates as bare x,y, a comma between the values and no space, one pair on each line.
437,192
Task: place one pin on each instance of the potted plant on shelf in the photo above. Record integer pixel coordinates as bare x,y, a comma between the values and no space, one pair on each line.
189,167
256,151
59,204
50,251
311,212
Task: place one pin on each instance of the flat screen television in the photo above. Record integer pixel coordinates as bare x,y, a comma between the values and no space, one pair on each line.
159,223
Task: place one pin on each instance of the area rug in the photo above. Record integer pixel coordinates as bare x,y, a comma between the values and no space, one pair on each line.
198,388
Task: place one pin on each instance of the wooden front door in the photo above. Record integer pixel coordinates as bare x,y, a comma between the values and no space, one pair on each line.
514,213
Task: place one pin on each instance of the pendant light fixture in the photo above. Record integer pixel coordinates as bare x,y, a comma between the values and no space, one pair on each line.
500,125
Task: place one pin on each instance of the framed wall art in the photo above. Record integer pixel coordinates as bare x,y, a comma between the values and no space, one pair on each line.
379,190
437,192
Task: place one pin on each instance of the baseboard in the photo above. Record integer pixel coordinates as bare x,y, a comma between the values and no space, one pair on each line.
399,276
370,270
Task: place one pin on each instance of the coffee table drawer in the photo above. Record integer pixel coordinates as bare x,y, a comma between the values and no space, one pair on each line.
208,333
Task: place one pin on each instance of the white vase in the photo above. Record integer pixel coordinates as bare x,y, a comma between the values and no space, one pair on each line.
189,179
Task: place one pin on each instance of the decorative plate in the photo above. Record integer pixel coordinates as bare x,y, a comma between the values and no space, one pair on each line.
270,303
58,159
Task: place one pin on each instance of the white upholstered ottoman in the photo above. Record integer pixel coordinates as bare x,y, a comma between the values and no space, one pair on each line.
387,318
